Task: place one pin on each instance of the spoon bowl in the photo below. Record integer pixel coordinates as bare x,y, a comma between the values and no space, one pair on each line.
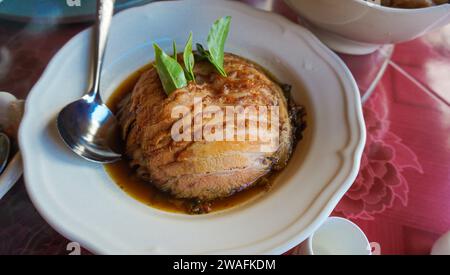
5,147
90,129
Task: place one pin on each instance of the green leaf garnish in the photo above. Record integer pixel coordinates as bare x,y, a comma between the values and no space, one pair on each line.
216,43
188,58
173,76
170,72
175,52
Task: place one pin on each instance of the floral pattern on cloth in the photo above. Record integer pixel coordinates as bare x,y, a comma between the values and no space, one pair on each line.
381,180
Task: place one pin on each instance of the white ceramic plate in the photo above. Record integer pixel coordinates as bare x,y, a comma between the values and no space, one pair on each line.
79,199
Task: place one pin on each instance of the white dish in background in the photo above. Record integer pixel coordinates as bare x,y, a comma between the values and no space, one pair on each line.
10,114
82,203
361,27
442,245
337,236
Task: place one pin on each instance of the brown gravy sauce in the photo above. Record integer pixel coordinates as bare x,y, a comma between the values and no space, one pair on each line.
125,177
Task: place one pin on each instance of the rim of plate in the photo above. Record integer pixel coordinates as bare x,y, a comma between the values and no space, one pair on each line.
352,102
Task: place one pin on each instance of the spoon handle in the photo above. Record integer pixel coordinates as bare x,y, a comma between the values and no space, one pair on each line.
105,11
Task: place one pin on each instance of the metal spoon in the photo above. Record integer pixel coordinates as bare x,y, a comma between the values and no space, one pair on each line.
87,126
5,147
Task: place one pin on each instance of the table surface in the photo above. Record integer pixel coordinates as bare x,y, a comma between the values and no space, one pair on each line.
401,198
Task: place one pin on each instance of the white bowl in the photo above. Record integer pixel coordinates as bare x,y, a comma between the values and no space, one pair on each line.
10,116
80,200
361,27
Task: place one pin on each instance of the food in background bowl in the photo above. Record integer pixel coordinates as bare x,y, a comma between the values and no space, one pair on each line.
200,168
411,4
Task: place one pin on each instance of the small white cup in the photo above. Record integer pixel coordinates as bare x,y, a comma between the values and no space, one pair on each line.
336,236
